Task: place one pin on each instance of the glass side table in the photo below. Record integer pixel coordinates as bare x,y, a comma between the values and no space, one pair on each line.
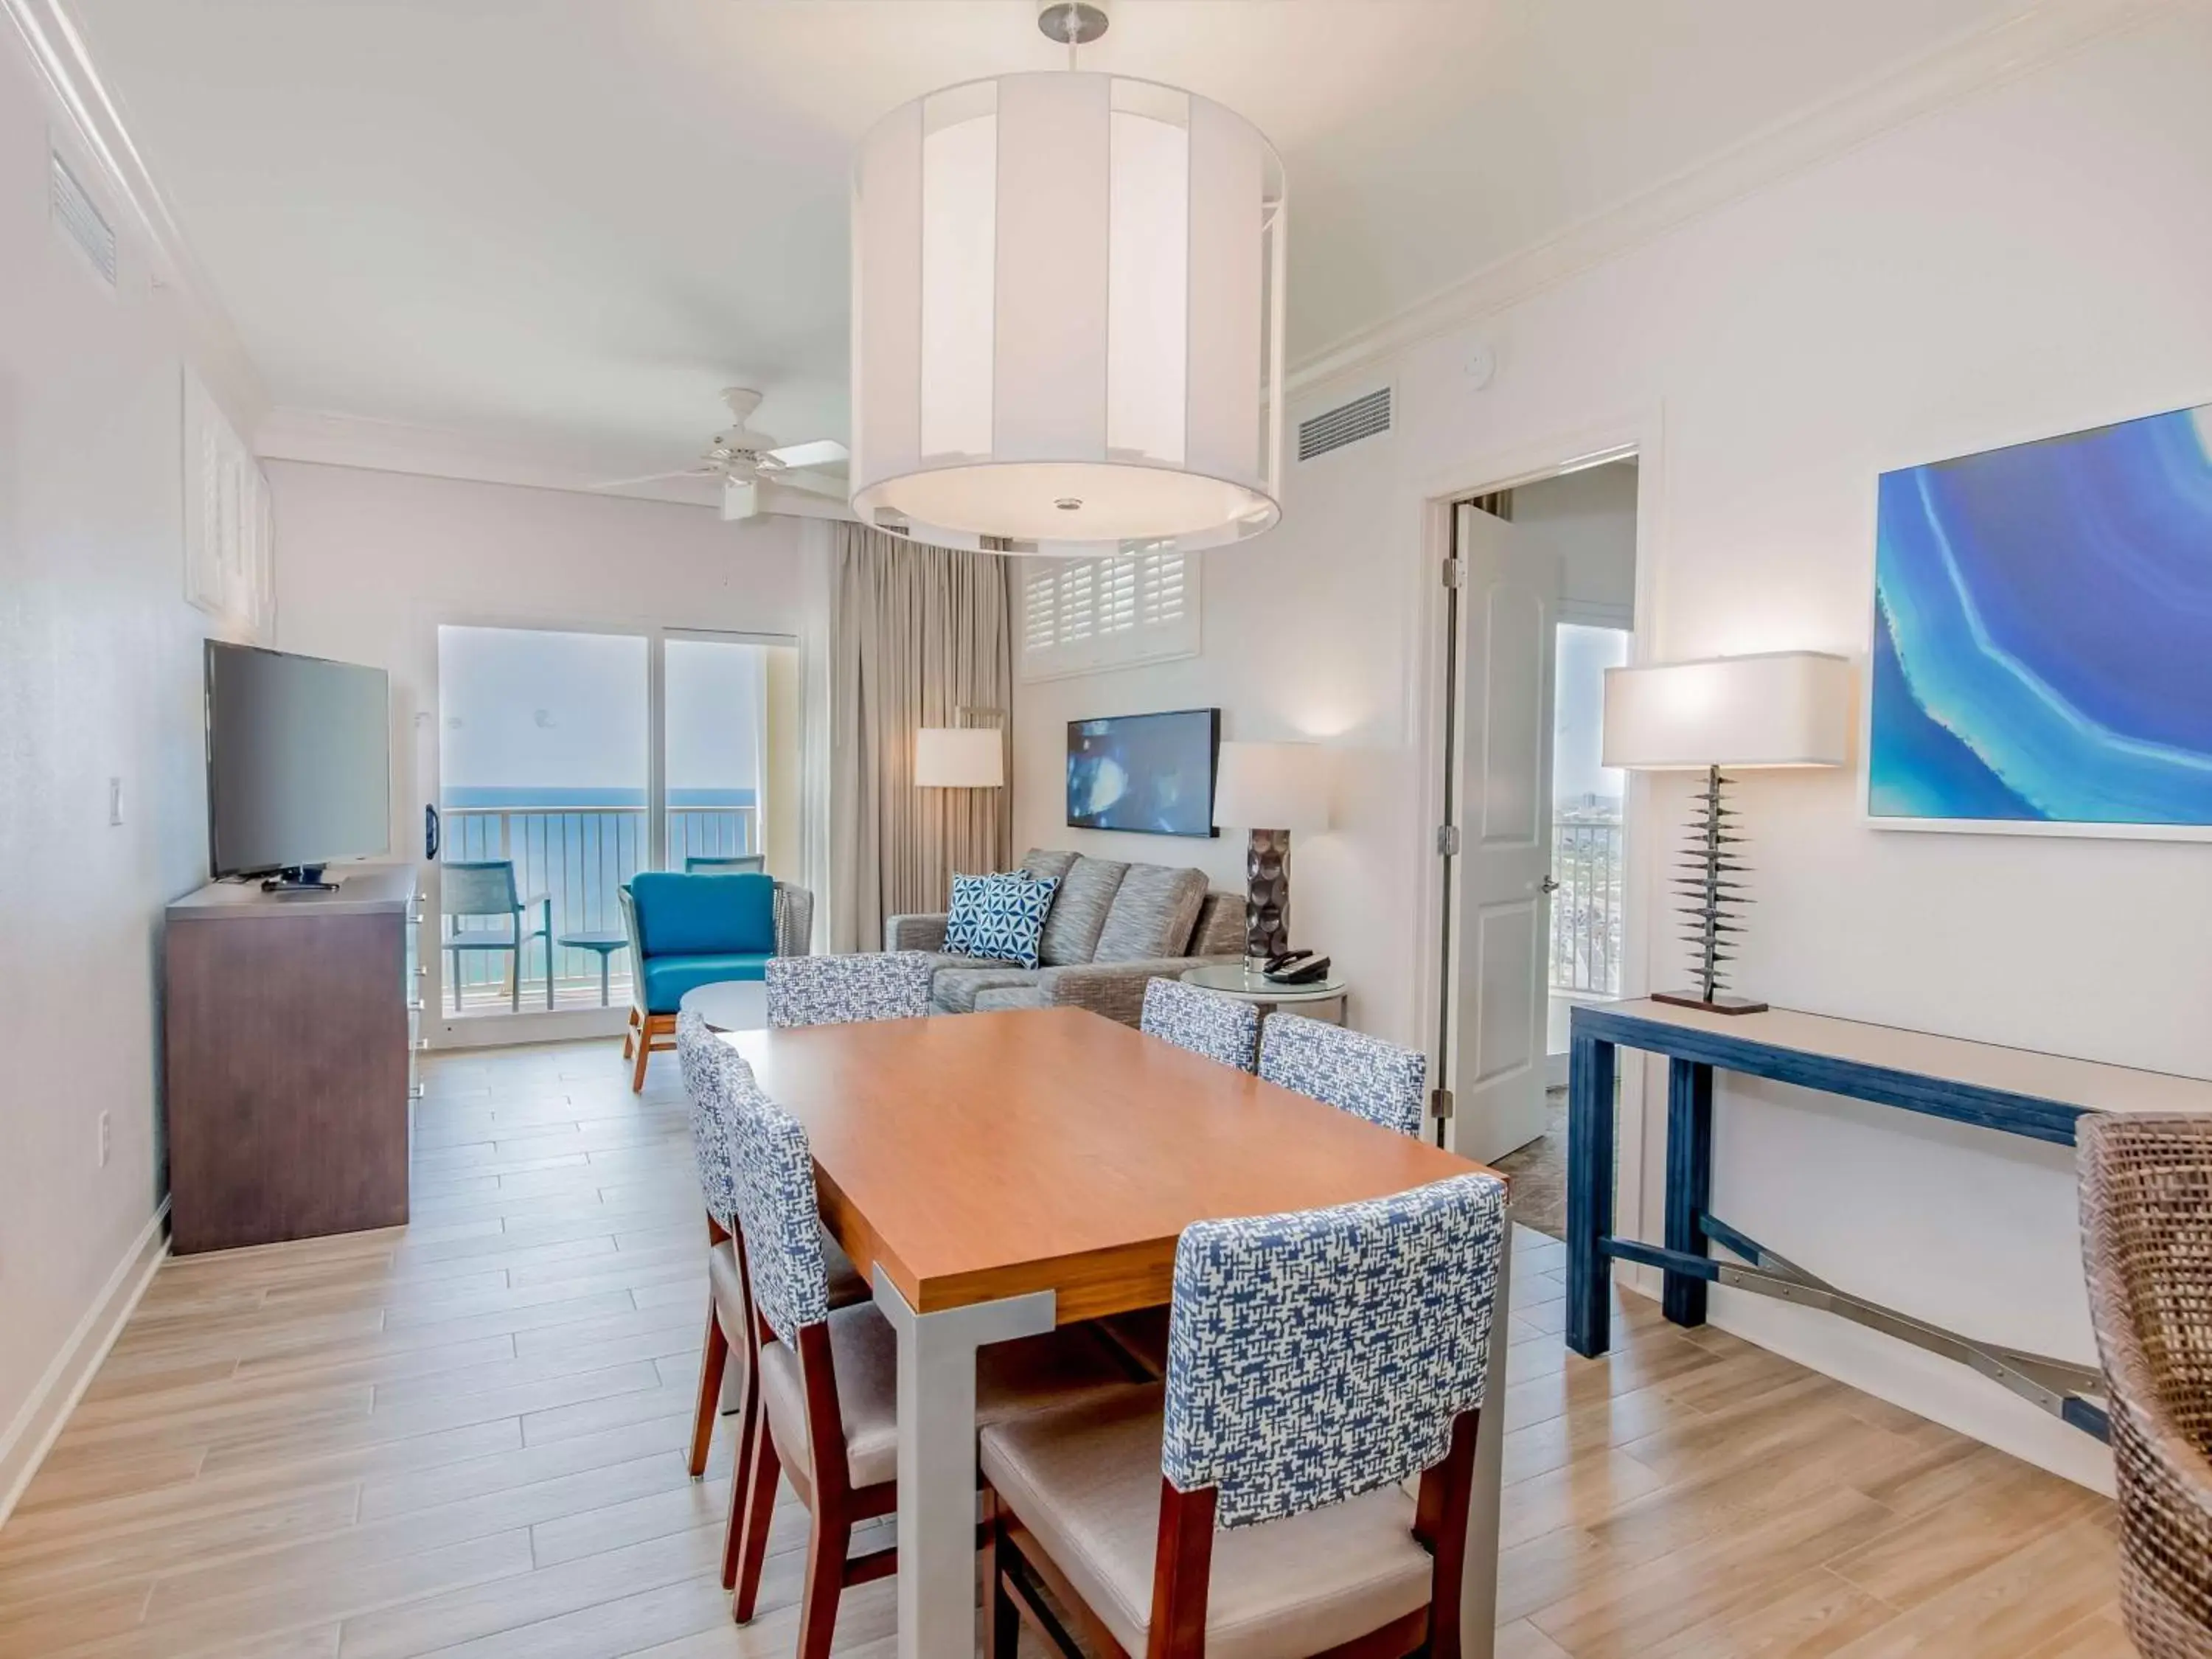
1323,1000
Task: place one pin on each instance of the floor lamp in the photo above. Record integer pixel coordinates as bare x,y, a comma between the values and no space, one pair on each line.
959,758
1783,709
1269,789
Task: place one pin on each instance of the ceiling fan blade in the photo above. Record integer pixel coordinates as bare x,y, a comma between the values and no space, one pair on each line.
822,451
655,477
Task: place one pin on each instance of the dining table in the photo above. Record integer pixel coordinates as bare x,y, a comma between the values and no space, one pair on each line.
996,1175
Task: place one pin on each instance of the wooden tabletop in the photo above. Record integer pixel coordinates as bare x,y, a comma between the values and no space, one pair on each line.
981,1156
2088,1085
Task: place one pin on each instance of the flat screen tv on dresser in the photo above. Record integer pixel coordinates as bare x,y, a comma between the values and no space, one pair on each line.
1152,774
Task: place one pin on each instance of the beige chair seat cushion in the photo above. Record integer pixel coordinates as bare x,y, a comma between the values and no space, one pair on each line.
1011,1378
1087,1482
846,1285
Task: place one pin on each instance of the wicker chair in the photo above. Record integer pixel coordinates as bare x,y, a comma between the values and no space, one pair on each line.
2147,1242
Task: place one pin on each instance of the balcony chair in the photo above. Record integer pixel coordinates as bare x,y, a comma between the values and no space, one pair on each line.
1254,1502
1350,1070
486,888
854,986
686,931
742,864
1220,1027
828,1378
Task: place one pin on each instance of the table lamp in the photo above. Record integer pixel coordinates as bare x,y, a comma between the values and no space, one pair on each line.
1269,789
1780,708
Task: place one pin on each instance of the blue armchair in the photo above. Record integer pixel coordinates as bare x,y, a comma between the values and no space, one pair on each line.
690,930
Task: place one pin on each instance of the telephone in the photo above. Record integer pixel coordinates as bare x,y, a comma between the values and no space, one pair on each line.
1296,968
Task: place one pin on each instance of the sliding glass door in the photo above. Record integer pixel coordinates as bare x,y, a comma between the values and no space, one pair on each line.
570,760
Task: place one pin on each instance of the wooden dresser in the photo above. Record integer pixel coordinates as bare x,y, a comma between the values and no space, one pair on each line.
290,1022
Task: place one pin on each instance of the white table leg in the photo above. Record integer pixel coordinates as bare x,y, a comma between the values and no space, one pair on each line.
1478,1623
936,1459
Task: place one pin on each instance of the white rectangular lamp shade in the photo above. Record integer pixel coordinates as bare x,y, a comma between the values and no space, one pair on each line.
1272,786
1780,709
959,758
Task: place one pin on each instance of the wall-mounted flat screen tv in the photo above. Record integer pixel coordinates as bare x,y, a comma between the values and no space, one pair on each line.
1150,773
299,760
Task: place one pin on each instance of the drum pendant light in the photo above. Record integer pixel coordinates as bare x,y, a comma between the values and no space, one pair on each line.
1067,306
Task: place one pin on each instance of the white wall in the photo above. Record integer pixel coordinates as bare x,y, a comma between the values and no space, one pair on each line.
370,564
2030,261
99,679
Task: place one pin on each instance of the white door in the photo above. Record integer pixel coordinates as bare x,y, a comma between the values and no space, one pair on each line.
1509,597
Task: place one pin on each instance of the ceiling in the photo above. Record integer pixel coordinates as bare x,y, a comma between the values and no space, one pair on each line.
570,222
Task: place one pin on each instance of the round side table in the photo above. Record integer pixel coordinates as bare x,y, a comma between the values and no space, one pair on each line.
1324,1000
729,1004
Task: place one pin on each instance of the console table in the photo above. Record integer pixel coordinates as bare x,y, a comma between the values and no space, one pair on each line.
2013,1090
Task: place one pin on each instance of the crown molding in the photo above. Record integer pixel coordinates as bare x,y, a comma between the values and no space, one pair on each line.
326,438
81,99
1795,144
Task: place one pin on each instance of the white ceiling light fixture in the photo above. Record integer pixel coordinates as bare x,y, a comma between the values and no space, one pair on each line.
1068,315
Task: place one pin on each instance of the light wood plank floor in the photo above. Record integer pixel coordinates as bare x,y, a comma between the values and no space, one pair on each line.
465,1438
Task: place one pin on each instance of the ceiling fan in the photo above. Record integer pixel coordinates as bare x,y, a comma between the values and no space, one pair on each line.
742,459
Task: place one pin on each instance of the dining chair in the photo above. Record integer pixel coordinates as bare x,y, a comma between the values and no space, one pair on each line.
1356,1072
829,1381
712,1074
1253,1504
1220,1027
854,986
481,887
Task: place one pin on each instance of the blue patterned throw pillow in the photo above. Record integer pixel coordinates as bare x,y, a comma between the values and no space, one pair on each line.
999,916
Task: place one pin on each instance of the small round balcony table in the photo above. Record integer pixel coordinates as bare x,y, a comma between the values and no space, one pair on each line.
1322,1000
605,944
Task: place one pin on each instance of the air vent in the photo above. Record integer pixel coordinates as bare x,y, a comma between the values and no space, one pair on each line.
1347,423
75,213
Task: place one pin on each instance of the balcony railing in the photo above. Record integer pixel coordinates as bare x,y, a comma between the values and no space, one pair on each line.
1586,907
578,856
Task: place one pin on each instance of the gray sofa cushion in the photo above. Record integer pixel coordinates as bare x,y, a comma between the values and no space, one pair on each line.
953,990
1154,909
1079,910
1220,930
1045,865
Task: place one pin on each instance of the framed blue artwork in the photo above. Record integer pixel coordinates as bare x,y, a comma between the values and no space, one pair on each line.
2042,654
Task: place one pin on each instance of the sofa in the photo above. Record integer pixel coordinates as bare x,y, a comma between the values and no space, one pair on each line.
695,929
1112,927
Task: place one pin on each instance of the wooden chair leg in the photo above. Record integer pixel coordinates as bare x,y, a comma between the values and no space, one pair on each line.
752,1429
825,1579
759,1509
713,1362
1002,1627
644,1054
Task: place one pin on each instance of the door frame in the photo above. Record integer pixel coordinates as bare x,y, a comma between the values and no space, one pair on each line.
1640,434
441,1029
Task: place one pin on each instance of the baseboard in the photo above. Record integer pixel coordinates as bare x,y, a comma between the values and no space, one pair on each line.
32,1435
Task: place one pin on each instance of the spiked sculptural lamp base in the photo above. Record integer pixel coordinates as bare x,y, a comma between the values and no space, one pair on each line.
1715,898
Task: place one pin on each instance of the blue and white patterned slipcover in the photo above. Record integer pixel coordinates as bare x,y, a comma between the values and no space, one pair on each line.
1360,1074
1000,917
776,1206
1220,1027
1318,1355
860,985
709,1065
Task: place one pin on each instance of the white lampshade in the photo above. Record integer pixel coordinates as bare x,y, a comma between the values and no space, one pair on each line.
1272,786
1068,314
1782,709
959,758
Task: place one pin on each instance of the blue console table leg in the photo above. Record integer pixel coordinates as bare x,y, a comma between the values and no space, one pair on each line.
1589,1195
1689,1181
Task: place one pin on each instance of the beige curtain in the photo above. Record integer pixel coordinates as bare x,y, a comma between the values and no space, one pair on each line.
917,633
